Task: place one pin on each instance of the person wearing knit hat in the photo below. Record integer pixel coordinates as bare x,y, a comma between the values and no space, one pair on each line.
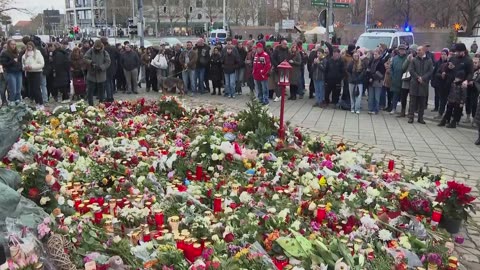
98,62
456,99
439,83
462,62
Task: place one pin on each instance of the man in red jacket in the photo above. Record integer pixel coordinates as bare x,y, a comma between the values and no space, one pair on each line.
261,70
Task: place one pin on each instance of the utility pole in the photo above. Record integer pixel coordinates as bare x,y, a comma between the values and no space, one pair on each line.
408,13
366,15
106,18
93,16
329,19
224,14
141,19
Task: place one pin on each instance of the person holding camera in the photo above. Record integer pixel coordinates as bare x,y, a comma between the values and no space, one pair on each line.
98,62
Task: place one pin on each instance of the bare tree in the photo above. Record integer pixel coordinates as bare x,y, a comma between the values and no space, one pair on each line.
212,9
357,11
9,5
470,13
235,10
253,8
185,7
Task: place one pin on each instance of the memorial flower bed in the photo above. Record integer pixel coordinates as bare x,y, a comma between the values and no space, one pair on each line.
154,185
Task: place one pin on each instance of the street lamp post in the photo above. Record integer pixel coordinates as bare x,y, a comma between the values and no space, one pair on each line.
284,70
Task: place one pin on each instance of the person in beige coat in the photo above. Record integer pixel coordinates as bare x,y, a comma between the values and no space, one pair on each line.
32,64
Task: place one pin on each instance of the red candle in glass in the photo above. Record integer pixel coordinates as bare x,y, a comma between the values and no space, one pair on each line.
181,243
188,249
98,215
196,251
321,213
75,195
391,165
92,200
199,172
437,215
217,203
106,208
100,201
189,175
76,204
280,262
159,219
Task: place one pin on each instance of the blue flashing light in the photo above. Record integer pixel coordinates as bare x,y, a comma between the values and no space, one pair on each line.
408,28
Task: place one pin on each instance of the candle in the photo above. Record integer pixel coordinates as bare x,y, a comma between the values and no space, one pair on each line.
100,200
98,216
189,175
75,195
77,186
146,233
436,216
280,262
108,226
199,172
82,209
197,251
180,242
159,218
76,204
391,165
174,222
188,249
453,260
217,203
92,200
59,219
112,204
321,213
105,208
373,166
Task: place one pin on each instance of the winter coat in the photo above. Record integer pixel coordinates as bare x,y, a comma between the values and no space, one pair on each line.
192,59
347,59
203,52
311,57
318,70
78,66
216,71
101,60
114,60
295,73
406,82
242,55
130,60
61,68
145,59
249,66
396,71
437,77
7,59
35,61
387,82
279,55
420,67
377,72
457,94
261,66
230,63
335,70
356,76
464,64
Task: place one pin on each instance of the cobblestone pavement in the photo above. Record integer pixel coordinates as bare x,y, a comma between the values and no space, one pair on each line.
449,152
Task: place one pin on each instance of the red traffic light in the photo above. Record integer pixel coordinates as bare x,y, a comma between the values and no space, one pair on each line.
76,29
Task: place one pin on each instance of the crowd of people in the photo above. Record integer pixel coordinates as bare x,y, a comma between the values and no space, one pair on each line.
385,76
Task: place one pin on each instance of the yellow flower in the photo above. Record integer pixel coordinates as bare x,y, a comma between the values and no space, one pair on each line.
299,210
241,253
54,122
403,195
328,207
322,181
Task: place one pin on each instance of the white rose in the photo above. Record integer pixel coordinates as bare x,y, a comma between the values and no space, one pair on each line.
275,197
44,200
67,221
228,210
215,238
215,157
117,239
61,200
312,206
272,210
245,197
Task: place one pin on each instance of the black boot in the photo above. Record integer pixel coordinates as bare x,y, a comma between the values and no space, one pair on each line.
442,123
214,92
293,94
219,91
402,113
452,124
478,140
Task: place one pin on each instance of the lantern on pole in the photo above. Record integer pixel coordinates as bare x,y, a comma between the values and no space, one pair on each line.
284,80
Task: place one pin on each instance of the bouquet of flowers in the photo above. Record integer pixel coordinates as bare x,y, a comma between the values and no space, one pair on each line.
456,200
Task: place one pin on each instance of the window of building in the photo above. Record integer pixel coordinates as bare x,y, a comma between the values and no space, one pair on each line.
173,2
199,3
164,9
199,16
191,9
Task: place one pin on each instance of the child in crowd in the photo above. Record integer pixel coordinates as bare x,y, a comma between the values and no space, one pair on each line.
456,100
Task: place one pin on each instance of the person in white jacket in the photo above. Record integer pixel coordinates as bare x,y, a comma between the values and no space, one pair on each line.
32,64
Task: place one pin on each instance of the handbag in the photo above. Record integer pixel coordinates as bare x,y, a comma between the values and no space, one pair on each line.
356,91
406,76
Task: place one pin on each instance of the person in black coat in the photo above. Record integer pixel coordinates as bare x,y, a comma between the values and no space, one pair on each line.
334,73
216,71
112,69
61,67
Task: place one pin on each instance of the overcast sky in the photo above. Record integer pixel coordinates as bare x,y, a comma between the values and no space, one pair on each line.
35,7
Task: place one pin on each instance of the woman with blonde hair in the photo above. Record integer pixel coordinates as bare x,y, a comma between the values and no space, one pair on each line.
356,76
32,64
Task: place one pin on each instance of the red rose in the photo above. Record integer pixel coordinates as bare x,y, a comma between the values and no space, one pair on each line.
56,186
229,238
33,193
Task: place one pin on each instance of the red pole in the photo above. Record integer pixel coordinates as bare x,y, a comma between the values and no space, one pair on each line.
281,129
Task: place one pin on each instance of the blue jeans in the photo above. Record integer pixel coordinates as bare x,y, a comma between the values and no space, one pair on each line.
319,91
200,75
43,87
355,100
230,84
109,88
374,99
395,100
14,82
188,77
383,98
301,87
262,91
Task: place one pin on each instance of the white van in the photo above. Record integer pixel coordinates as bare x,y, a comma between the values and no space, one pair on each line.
219,35
390,37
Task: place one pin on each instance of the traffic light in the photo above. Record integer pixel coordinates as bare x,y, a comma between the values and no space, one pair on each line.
322,18
132,27
76,29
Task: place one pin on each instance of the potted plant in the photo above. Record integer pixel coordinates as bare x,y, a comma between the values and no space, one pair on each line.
455,200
